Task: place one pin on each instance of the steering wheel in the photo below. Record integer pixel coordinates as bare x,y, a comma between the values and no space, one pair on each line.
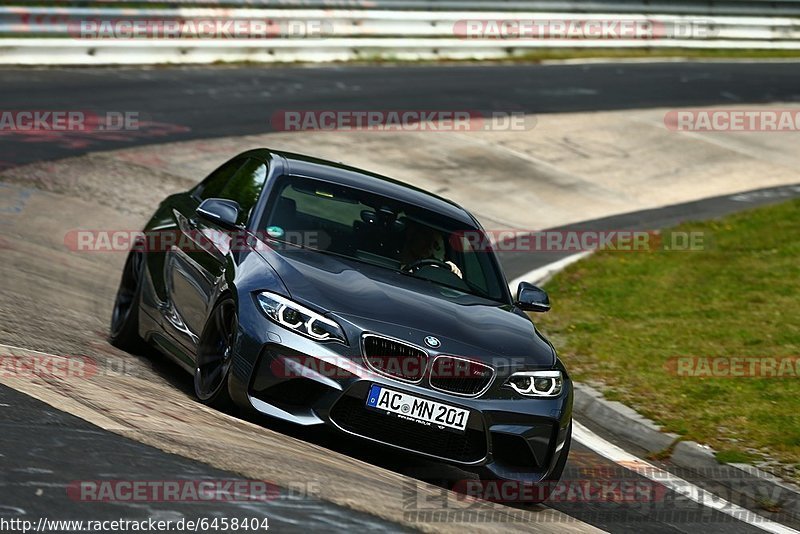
427,262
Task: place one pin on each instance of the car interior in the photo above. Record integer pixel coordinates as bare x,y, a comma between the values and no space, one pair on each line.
344,225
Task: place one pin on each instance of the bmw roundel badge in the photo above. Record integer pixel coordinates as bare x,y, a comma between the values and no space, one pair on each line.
432,342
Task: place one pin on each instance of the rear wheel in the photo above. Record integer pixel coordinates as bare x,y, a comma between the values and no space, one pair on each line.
215,355
124,331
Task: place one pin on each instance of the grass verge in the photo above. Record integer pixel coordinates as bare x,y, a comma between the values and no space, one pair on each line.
624,319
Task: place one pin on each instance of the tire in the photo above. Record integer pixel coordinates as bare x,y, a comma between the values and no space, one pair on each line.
124,329
215,352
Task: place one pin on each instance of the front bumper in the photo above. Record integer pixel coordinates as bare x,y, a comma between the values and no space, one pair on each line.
503,440
299,380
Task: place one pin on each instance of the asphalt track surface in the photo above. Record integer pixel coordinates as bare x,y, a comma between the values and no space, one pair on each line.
188,103
45,462
191,103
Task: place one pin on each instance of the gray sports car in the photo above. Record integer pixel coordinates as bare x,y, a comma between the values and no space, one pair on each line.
322,294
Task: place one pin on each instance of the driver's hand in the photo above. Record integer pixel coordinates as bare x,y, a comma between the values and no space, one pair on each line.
455,269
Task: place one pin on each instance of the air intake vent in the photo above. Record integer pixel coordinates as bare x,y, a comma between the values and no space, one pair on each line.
394,358
460,376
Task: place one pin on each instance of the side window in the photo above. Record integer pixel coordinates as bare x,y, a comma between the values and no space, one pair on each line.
213,185
245,186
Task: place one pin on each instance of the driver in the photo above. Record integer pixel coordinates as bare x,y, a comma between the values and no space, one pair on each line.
425,243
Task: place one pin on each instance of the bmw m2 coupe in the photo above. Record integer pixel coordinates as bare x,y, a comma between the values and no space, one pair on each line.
322,294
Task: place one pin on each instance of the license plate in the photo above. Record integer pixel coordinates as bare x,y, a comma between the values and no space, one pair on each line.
422,411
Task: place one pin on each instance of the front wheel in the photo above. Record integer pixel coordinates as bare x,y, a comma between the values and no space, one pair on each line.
124,331
215,355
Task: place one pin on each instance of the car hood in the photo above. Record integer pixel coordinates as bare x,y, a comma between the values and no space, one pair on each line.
380,300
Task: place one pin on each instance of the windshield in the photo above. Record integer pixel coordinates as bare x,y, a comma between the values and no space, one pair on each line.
381,231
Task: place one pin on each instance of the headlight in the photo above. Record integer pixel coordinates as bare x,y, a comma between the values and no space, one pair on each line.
536,383
299,318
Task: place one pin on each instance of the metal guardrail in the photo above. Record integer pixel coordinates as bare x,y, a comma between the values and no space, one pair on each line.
43,35
36,21
644,7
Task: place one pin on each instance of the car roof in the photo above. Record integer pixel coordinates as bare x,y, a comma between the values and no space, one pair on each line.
298,164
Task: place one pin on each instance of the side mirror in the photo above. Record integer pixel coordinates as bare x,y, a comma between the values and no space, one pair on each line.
220,211
532,298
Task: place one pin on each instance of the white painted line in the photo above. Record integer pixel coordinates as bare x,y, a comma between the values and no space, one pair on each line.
680,486
537,275
11,348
